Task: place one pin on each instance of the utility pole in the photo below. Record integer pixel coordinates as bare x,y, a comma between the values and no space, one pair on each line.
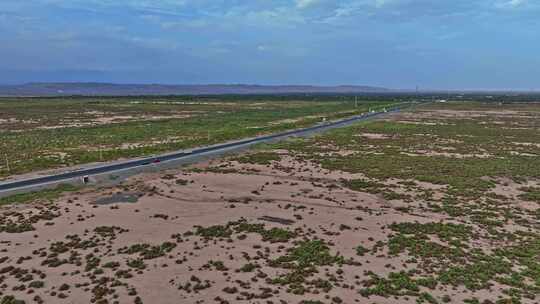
356,101
7,164
100,154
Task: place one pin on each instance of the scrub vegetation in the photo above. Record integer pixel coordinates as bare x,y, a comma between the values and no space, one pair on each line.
44,133
474,156
437,204
42,195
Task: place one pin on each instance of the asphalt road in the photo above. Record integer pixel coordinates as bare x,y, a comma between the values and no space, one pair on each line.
117,166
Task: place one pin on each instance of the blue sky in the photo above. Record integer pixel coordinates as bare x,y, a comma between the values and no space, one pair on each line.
445,44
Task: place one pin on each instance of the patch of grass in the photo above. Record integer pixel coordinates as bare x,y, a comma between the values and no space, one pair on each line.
36,284
531,194
216,231
181,182
427,298
259,158
364,185
43,195
249,267
391,195
458,264
11,300
303,261
445,231
309,253
415,238
137,264
273,235
361,250
147,251
477,274
396,284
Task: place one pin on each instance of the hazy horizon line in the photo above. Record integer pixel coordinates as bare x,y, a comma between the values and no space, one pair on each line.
420,89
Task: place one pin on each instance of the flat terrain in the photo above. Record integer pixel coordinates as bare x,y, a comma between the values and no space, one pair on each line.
48,133
437,205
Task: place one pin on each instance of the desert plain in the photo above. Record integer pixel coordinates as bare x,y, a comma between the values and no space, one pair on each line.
437,204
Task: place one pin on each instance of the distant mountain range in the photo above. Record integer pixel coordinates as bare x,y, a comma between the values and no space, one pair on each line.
109,89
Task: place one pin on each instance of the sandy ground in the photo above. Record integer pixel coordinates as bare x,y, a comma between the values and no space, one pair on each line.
80,229
93,118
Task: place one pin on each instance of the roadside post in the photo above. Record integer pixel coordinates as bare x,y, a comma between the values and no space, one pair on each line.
7,164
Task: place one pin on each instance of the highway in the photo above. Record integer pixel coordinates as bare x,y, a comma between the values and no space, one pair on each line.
129,164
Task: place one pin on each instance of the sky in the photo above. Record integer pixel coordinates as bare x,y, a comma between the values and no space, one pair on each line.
435,44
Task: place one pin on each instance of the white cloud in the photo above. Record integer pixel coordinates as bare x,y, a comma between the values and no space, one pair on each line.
281,17
510,3
516,2
301,4
381,3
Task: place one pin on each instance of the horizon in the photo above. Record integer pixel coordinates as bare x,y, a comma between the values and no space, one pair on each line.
482,45
383,90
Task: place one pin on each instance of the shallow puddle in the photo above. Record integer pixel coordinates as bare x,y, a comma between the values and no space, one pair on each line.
119,198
